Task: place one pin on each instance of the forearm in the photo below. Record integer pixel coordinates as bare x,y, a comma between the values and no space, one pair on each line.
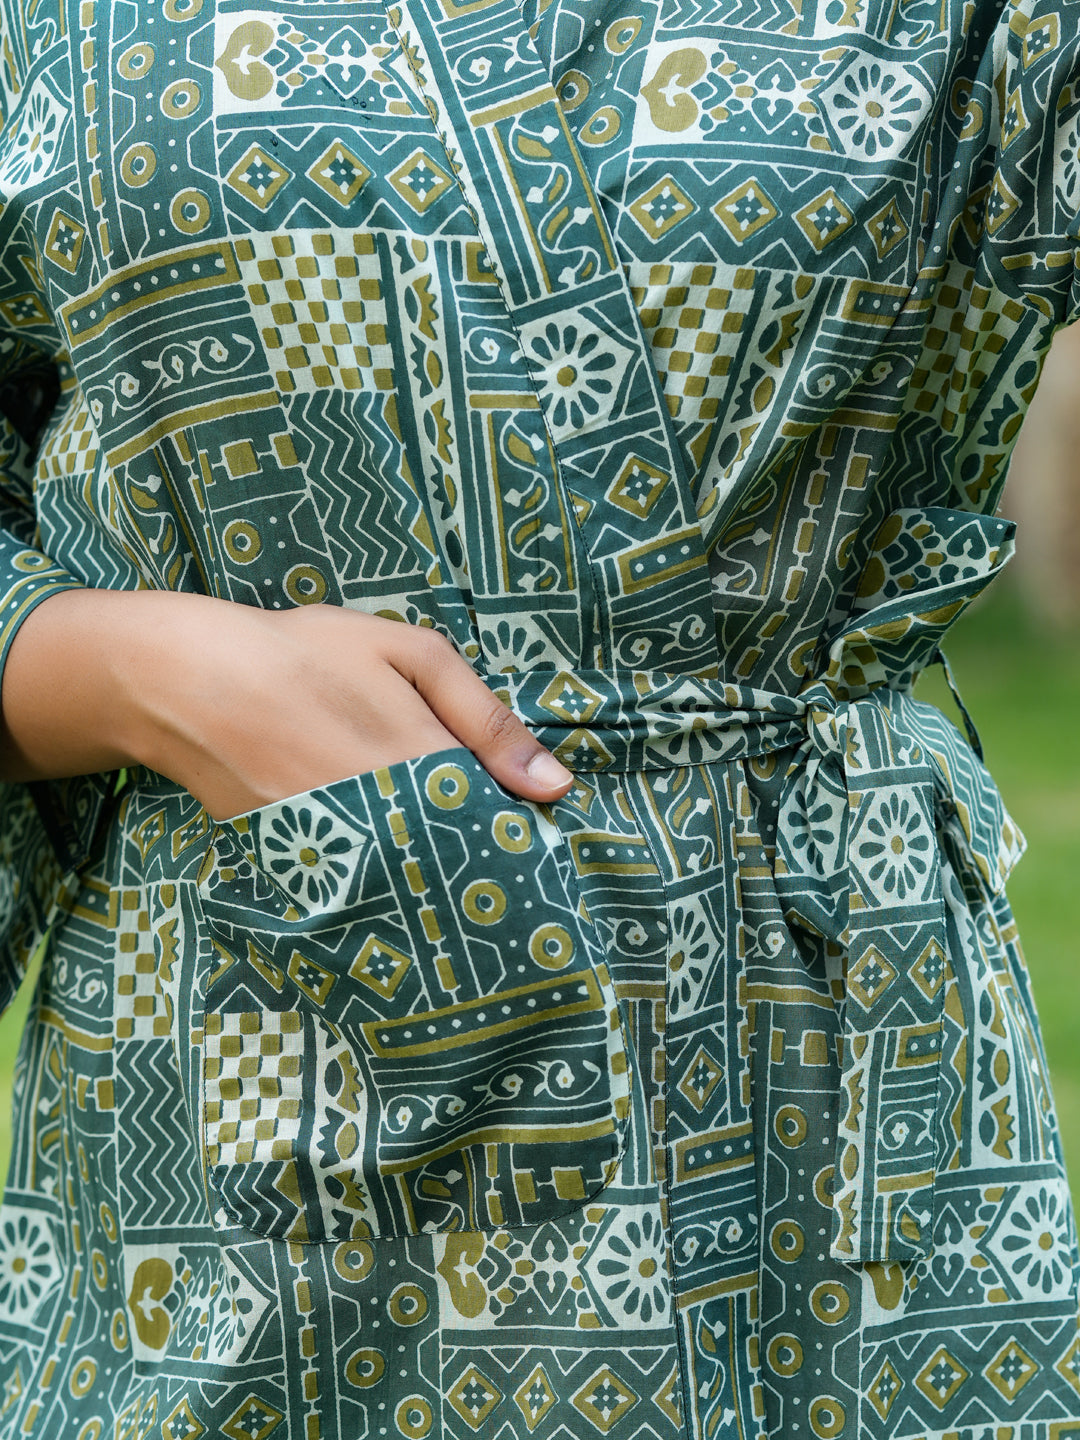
241,705
69,700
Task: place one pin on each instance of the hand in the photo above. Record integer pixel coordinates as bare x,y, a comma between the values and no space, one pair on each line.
245,706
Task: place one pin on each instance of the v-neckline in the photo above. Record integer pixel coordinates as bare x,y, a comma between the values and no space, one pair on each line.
538,214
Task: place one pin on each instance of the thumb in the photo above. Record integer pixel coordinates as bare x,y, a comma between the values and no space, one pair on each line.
480,720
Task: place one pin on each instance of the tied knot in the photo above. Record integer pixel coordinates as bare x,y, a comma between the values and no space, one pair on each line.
826,730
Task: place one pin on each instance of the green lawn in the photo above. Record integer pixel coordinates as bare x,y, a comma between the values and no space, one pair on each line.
11,1025
1023,689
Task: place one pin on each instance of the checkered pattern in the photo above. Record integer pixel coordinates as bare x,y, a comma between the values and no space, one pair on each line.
252,1069
139,1011
318,303
693,327
964,346
72,448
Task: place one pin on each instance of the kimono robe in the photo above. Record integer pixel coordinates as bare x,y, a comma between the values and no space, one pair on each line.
667,357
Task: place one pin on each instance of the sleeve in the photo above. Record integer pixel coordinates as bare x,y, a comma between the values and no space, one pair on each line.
31,874
27,576
1032,214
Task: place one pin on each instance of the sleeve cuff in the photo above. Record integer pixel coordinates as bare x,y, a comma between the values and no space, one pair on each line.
27,577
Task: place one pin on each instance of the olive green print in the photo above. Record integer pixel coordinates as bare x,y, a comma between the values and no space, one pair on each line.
667,357
497,1061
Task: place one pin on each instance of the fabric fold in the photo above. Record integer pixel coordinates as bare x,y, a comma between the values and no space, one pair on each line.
881,791
888,794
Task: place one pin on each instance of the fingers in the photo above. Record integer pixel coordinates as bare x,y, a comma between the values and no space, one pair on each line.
468,709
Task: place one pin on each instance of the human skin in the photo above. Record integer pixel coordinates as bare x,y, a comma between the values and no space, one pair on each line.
244,706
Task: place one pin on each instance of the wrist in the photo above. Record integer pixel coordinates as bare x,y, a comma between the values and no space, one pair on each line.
159,664
55,696
91,680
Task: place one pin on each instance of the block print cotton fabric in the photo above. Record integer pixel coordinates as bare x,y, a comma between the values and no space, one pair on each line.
666,357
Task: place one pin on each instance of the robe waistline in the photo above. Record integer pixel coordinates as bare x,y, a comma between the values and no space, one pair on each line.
887,818
888,821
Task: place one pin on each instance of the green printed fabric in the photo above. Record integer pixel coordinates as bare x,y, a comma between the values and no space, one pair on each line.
665,355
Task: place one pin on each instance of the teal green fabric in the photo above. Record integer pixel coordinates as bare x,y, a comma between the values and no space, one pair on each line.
667,358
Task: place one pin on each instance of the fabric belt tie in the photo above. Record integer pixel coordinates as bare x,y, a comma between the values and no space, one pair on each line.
889,828
884,811
884,807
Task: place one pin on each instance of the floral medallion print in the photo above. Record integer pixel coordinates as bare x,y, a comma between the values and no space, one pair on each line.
875,108
814,828
514,644
1031,1241
579,370
28,1262
306,850
29,150
1067,169
219,1313
895,857
626,1271
695,952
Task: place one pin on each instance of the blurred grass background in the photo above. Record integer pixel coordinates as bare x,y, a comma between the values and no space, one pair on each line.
11,1028
1021,682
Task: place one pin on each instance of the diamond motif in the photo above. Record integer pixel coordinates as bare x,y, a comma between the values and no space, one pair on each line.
887,229
474,1397
312,979
583,795
181,1424
535,1398
1069,1365
604,1400
1000,204
64,242
419,181
582,750
258,177
669,1396
24,310
871,976
941,1377
1041,39
379,966
824,219
885,1389
661,208
638,487
1010,1370
568,698
1014,121
253,1421
745,211
582,508
928,972
340,173
702,1076
12,1390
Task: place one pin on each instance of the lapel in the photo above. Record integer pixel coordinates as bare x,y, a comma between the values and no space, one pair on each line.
540,220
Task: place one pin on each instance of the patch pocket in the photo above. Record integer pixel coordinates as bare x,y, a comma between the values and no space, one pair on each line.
411,1026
